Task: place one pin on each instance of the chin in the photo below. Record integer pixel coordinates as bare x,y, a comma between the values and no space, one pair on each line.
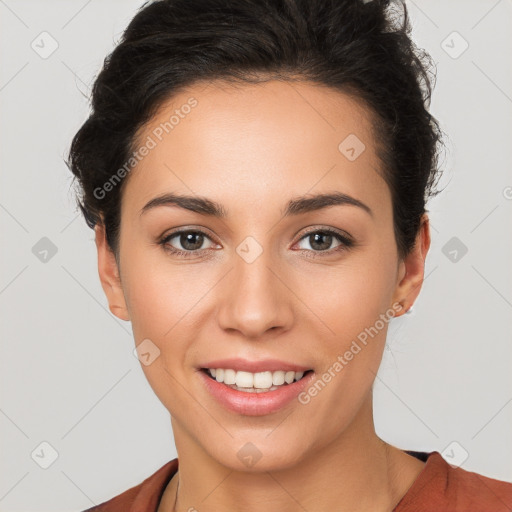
259,454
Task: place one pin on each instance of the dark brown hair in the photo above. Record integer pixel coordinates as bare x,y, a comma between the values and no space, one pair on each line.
357,47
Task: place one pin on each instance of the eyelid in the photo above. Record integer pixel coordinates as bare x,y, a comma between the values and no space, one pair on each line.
187,229
343,234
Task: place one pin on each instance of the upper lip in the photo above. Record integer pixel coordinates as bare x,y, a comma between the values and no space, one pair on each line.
263,365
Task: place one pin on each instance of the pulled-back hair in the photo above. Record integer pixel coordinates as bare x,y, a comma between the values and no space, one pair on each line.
361,48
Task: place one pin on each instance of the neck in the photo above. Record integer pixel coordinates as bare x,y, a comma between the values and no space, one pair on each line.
357,471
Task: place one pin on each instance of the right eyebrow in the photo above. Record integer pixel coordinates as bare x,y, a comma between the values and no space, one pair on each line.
197,204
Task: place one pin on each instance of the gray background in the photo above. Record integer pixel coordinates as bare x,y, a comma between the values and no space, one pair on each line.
68,374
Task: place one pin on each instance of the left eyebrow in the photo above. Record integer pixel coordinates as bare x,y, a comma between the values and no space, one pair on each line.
296,206
306,204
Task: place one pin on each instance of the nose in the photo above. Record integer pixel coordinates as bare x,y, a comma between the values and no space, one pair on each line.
255,298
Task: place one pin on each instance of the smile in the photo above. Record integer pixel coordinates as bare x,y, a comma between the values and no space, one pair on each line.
254,382
254,394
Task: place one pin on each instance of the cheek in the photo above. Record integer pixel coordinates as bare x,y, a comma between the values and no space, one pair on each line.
352,296
357,311
162,311
356,306
169,306
158,293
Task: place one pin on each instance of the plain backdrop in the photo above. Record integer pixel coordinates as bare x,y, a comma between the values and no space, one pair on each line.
73,396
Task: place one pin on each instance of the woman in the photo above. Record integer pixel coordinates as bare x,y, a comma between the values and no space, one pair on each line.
256,173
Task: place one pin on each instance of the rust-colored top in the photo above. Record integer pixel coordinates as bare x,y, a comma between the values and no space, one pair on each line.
439,487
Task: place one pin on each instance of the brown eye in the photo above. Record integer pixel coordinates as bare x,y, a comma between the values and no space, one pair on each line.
191,241
322,241
188,242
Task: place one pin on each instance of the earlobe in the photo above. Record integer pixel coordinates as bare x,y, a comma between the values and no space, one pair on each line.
109,275
411,269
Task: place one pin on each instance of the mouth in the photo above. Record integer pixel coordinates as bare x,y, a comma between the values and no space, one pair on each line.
259,382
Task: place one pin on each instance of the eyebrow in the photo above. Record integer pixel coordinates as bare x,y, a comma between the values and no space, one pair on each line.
295,206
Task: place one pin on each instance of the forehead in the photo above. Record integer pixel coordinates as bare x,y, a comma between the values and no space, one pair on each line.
262,142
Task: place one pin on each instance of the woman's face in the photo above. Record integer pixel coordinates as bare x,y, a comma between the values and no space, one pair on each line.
259,284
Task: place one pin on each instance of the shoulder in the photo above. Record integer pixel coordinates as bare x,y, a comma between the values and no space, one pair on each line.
473,491
441,485
143,497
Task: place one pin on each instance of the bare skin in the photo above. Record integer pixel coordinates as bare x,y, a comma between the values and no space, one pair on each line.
253,148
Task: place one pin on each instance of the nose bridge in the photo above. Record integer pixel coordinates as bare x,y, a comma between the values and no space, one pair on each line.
256,300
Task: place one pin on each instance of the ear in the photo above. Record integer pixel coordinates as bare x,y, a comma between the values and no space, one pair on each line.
411,269
109,275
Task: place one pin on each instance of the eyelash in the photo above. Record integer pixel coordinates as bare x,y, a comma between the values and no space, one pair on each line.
345,243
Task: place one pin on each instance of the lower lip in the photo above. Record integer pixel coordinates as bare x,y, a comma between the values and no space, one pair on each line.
255,404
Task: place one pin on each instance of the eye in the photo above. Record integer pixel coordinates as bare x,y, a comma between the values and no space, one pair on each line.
190,240
321,241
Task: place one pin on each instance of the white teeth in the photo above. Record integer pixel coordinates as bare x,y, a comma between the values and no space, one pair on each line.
278,378
254,381
262,380
229,376
244,379
289,376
